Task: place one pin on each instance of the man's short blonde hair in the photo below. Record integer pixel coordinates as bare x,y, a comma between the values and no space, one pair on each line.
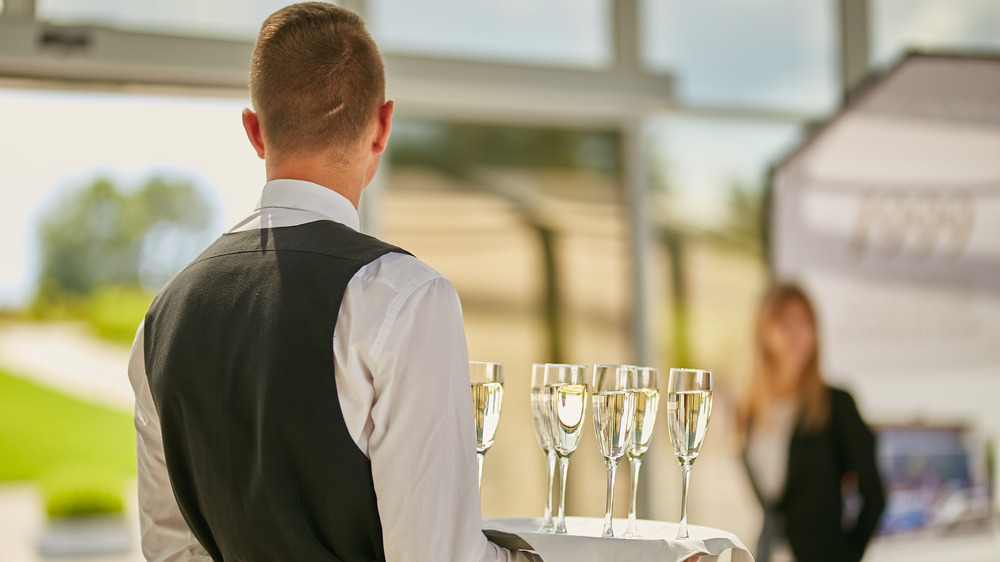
316,78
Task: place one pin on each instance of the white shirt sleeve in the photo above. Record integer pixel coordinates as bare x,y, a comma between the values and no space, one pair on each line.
166,537
422,436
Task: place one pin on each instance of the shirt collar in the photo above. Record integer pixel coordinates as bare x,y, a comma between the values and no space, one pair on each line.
311,197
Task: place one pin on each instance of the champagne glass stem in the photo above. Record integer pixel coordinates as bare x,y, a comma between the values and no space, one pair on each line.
635,463
682,529
561,519
547,524
612,468
479,457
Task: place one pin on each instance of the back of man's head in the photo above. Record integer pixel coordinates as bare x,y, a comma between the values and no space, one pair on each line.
316,79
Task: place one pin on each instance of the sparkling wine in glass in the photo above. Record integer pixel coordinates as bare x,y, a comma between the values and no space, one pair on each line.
647,403
689,407
487,401
614,414
566,389
543,433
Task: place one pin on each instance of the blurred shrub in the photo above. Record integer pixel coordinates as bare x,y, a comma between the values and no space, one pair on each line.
115,312
75,491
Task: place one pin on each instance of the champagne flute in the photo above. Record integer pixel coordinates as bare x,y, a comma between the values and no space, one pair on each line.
543,432
647,402
487,400
566,387
614,413
689,407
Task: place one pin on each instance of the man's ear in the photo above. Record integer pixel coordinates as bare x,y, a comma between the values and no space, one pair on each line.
252,126
382,128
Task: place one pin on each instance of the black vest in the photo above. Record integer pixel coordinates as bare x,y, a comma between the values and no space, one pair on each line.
239,357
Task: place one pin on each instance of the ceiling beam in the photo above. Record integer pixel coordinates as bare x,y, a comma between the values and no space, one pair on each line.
442,87
94,54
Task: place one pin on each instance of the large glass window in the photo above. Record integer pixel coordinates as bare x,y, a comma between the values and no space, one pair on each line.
708,177
60,143
776,54
527,223
227,19
704,166
900,25
563,32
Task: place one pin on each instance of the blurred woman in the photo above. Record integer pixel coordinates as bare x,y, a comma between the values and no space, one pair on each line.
805,444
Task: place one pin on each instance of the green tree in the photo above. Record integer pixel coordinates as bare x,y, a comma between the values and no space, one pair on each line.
102,235
744,224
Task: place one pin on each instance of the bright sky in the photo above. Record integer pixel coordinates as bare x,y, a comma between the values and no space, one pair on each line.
237,19
765,53
57,141
574,32
701,159
969,24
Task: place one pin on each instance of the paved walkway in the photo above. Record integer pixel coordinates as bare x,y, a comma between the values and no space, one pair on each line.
67,358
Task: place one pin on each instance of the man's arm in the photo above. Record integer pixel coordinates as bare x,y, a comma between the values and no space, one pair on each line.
165,535
422,444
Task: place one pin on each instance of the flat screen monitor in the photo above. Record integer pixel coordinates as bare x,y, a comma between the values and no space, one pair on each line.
935,480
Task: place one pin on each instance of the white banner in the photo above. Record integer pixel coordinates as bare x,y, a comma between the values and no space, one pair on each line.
890,218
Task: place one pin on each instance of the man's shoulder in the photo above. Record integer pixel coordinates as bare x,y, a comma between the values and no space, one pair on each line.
399,272
321,237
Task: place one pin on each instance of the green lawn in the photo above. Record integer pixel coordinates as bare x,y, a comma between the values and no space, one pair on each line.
42,431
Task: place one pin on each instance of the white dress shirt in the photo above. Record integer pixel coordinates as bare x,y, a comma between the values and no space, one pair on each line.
767,448
402,382
767,456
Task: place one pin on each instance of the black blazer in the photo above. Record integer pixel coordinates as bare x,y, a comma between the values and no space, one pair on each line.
810,511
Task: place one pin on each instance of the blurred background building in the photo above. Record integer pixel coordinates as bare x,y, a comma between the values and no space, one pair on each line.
594,177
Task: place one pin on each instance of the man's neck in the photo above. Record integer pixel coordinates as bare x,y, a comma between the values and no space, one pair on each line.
348,180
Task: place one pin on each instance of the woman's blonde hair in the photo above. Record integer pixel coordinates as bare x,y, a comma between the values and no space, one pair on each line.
814,394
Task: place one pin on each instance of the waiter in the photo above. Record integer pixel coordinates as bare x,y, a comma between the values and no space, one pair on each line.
302,389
